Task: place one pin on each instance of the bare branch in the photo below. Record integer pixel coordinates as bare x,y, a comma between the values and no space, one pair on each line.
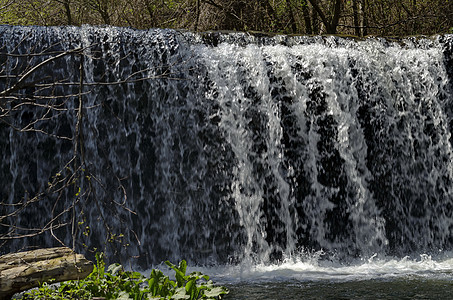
20,83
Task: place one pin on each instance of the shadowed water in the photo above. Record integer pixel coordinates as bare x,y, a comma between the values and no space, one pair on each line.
400,288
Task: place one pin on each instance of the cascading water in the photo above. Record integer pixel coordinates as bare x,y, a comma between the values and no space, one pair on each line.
230,147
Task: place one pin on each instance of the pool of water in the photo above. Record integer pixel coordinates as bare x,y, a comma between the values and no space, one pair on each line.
385,278
396,288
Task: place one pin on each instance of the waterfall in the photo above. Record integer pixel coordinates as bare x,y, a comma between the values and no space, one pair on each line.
220,148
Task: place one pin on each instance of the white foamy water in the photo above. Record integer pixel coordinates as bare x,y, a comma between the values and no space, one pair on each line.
305,270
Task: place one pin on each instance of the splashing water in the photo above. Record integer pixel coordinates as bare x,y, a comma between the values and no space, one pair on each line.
235,148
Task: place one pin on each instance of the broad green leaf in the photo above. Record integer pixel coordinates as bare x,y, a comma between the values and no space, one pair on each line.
190,285
114,269
183,266
135,275
180,293
124,296
179,274
215,292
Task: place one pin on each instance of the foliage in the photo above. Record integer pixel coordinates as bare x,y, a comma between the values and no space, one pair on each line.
116,283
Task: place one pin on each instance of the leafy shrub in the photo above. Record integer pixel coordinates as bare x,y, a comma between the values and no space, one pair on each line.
116,283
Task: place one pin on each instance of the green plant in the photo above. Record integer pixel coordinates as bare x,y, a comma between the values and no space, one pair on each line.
116,283
189,286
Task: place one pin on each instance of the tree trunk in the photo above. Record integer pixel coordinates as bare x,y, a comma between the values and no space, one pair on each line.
330,23
67,8
336,17
306,13
355,13
24,270
197,12
292,20
315,22
364,23
320,13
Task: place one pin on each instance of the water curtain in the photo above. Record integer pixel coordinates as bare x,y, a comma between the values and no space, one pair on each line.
220,148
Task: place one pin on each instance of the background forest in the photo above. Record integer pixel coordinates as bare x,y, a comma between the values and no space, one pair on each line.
352,17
